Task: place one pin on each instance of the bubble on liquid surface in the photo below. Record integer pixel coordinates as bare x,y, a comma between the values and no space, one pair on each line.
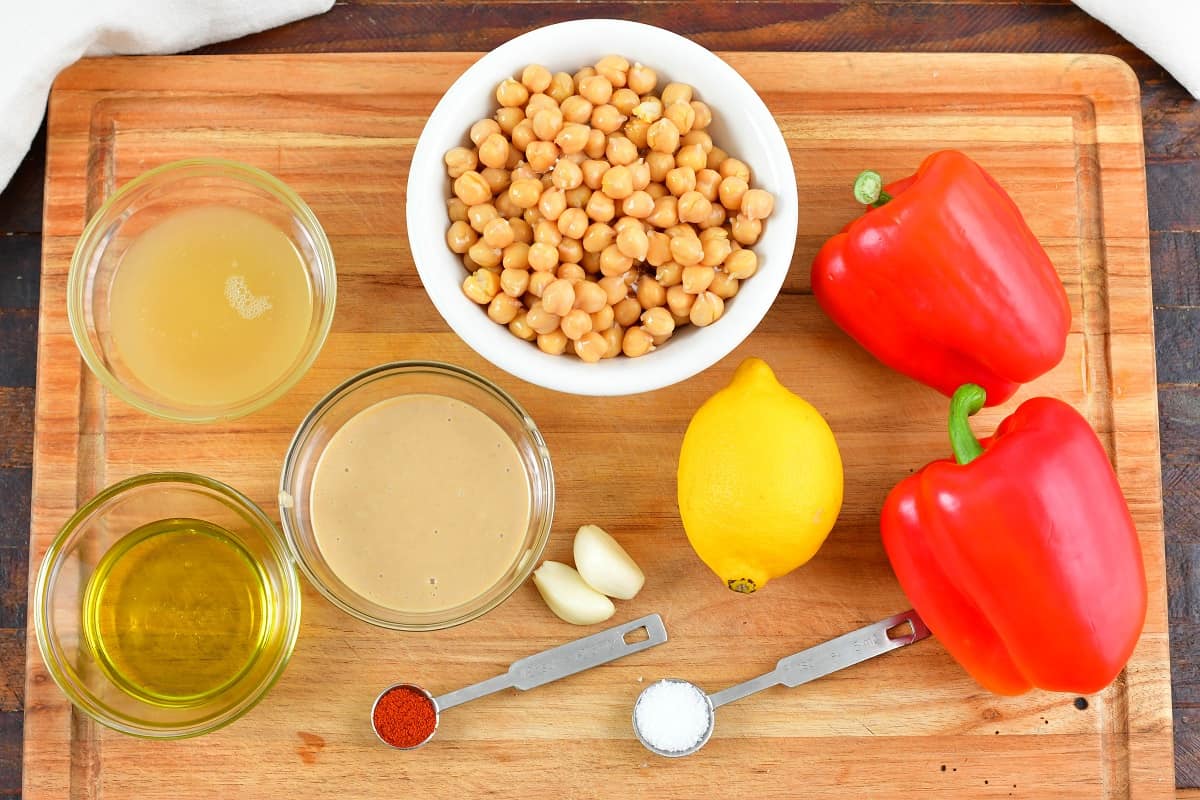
247,304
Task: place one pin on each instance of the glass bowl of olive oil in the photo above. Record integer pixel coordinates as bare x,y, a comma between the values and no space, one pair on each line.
201,290
167,606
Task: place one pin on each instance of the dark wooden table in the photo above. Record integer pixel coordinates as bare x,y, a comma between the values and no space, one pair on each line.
1172,131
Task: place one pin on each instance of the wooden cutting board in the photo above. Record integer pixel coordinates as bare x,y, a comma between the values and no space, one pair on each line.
1062,133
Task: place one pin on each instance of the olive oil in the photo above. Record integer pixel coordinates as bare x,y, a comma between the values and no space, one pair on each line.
210,306
176,611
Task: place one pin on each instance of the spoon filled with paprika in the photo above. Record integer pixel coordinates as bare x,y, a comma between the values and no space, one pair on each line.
405,716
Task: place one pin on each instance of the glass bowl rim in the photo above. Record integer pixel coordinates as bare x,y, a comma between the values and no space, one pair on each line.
164,174
291,608
399,368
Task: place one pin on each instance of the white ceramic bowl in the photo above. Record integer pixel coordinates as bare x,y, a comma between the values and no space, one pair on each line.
567,46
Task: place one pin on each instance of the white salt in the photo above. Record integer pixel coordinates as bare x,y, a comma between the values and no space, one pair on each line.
672,716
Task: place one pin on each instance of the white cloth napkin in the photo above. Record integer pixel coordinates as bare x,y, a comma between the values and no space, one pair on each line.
38,38
1165,30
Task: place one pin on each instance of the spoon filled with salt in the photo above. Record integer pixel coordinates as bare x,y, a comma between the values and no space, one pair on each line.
673,717
405,716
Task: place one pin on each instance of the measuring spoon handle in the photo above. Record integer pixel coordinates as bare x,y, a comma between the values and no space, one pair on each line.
836,654
590,651
568,659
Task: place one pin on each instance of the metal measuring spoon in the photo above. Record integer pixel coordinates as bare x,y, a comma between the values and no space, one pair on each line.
545,667
807,665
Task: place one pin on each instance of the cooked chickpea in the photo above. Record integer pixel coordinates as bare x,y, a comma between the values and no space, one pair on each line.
484,256
658,249
593,173
700,138
525,192
614,68
680,180
597,237
481,286
456,209
601,207
693,207
570,251
708,183
635,131
669,274
551,204
697,278
523,172
472,189
538,281
523,136
757,204
532,216
511,94
509,118
522,231
498,180
681,114
663,136
535,78
566,175
578,197
583,72
519,327
665,213
459,160
554,342
734,166
572,223
658,322
483,129
504,309
479,216
716,157
732,190
596,89
596,143
716,250
617,183
541,320
649,110
620,151
498,232
693,156
516,256
723,285
614,262
641,79
633,242
493,151
715,218
561,86
626,311
559,297
571,272
741,264
514,282
614,288
607,119
539,102
603,319
573,137
704,115
745,231
657,190
649,293
543,257
641,175
547,124
679,301
589,296
660,164
576,109
637,342
460,236
613,335
707,309
686,250
676,93
639,204
591,347
625,100
576,323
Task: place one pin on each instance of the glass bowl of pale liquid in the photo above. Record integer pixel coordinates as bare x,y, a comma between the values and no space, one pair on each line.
201,290
167,606
417,495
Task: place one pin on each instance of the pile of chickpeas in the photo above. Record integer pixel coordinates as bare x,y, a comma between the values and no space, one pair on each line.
594,212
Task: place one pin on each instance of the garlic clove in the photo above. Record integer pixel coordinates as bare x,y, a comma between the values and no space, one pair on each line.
605,565
568,596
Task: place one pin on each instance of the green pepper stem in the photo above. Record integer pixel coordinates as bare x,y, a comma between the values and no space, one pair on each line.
868,189
967,400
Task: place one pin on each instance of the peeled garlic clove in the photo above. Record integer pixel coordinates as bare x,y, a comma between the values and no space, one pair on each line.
605,565
569,597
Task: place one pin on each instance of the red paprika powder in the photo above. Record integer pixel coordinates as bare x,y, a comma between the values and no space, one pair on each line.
404,716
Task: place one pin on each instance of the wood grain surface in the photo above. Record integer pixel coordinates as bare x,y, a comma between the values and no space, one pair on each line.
1062,133
1171,123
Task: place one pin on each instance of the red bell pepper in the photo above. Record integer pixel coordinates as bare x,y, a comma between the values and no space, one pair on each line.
943,280
1022,557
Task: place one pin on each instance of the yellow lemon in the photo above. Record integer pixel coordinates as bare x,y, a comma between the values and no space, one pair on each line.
760,480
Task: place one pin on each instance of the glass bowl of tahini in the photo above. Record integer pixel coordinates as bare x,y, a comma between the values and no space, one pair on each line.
201,290
417,495
167,606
